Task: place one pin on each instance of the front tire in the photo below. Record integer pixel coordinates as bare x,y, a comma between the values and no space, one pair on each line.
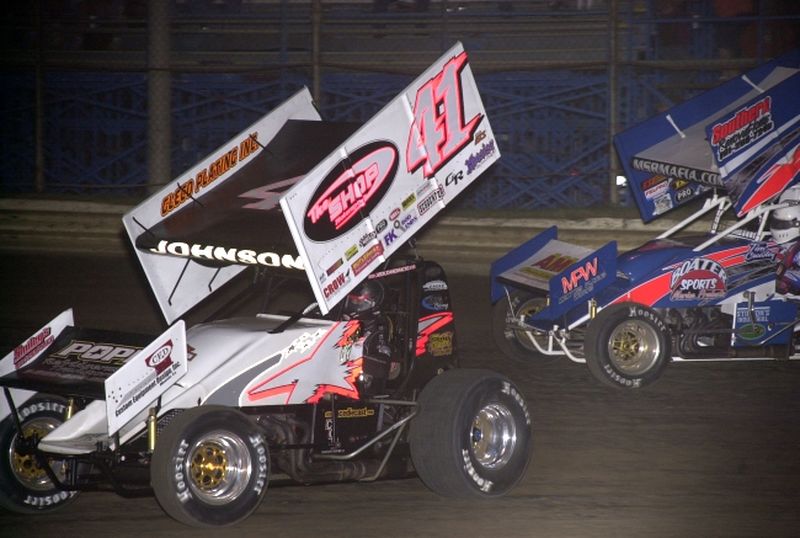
25,487
472,437
210,467
628,346
515,343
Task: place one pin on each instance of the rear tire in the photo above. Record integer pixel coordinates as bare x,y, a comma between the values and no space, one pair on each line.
210,467
25,488
627,346
515,343
472,437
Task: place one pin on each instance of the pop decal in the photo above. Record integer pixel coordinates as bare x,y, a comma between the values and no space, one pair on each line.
439,131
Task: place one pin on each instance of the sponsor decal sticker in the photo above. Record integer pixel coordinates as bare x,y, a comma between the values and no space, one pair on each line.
662,204
441,344
205,177
652,182
367,238
163,369
351,412
35,344
351,189
683,194
439,130
435,285
436,303
581,280
333,268
431,199
331,287
350,252
395,271
698,278
747,125
761,251
675,171
656,190
361,263
96,352
474,161
409,201
229,255
428,326
453,178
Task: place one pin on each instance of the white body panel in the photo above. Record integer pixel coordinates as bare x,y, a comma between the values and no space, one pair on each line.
237,362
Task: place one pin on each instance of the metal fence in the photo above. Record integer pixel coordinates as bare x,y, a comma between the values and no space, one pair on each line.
74,92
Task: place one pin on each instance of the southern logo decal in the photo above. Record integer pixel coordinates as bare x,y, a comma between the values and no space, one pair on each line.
354,185
745,127
439,130
36,343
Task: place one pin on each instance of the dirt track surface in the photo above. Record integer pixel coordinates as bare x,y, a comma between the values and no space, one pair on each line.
709,450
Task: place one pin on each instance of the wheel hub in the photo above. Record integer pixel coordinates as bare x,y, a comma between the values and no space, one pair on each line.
24,465
633,347
219,466
209,466
493,436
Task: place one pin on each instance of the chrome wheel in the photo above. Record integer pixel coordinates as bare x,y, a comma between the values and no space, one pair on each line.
633,347
218,467
493,436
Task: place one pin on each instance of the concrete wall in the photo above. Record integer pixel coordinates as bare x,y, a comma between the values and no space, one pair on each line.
461,244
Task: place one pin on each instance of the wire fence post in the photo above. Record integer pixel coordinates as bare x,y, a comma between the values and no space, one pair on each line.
613,164
159,103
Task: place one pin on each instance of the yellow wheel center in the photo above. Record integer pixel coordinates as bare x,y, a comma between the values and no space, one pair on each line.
209,466
25,465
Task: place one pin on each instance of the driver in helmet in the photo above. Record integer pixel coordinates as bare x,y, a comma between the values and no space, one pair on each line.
364,298
785,228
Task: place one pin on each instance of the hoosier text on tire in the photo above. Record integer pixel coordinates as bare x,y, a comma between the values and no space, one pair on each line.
472,437
210,467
